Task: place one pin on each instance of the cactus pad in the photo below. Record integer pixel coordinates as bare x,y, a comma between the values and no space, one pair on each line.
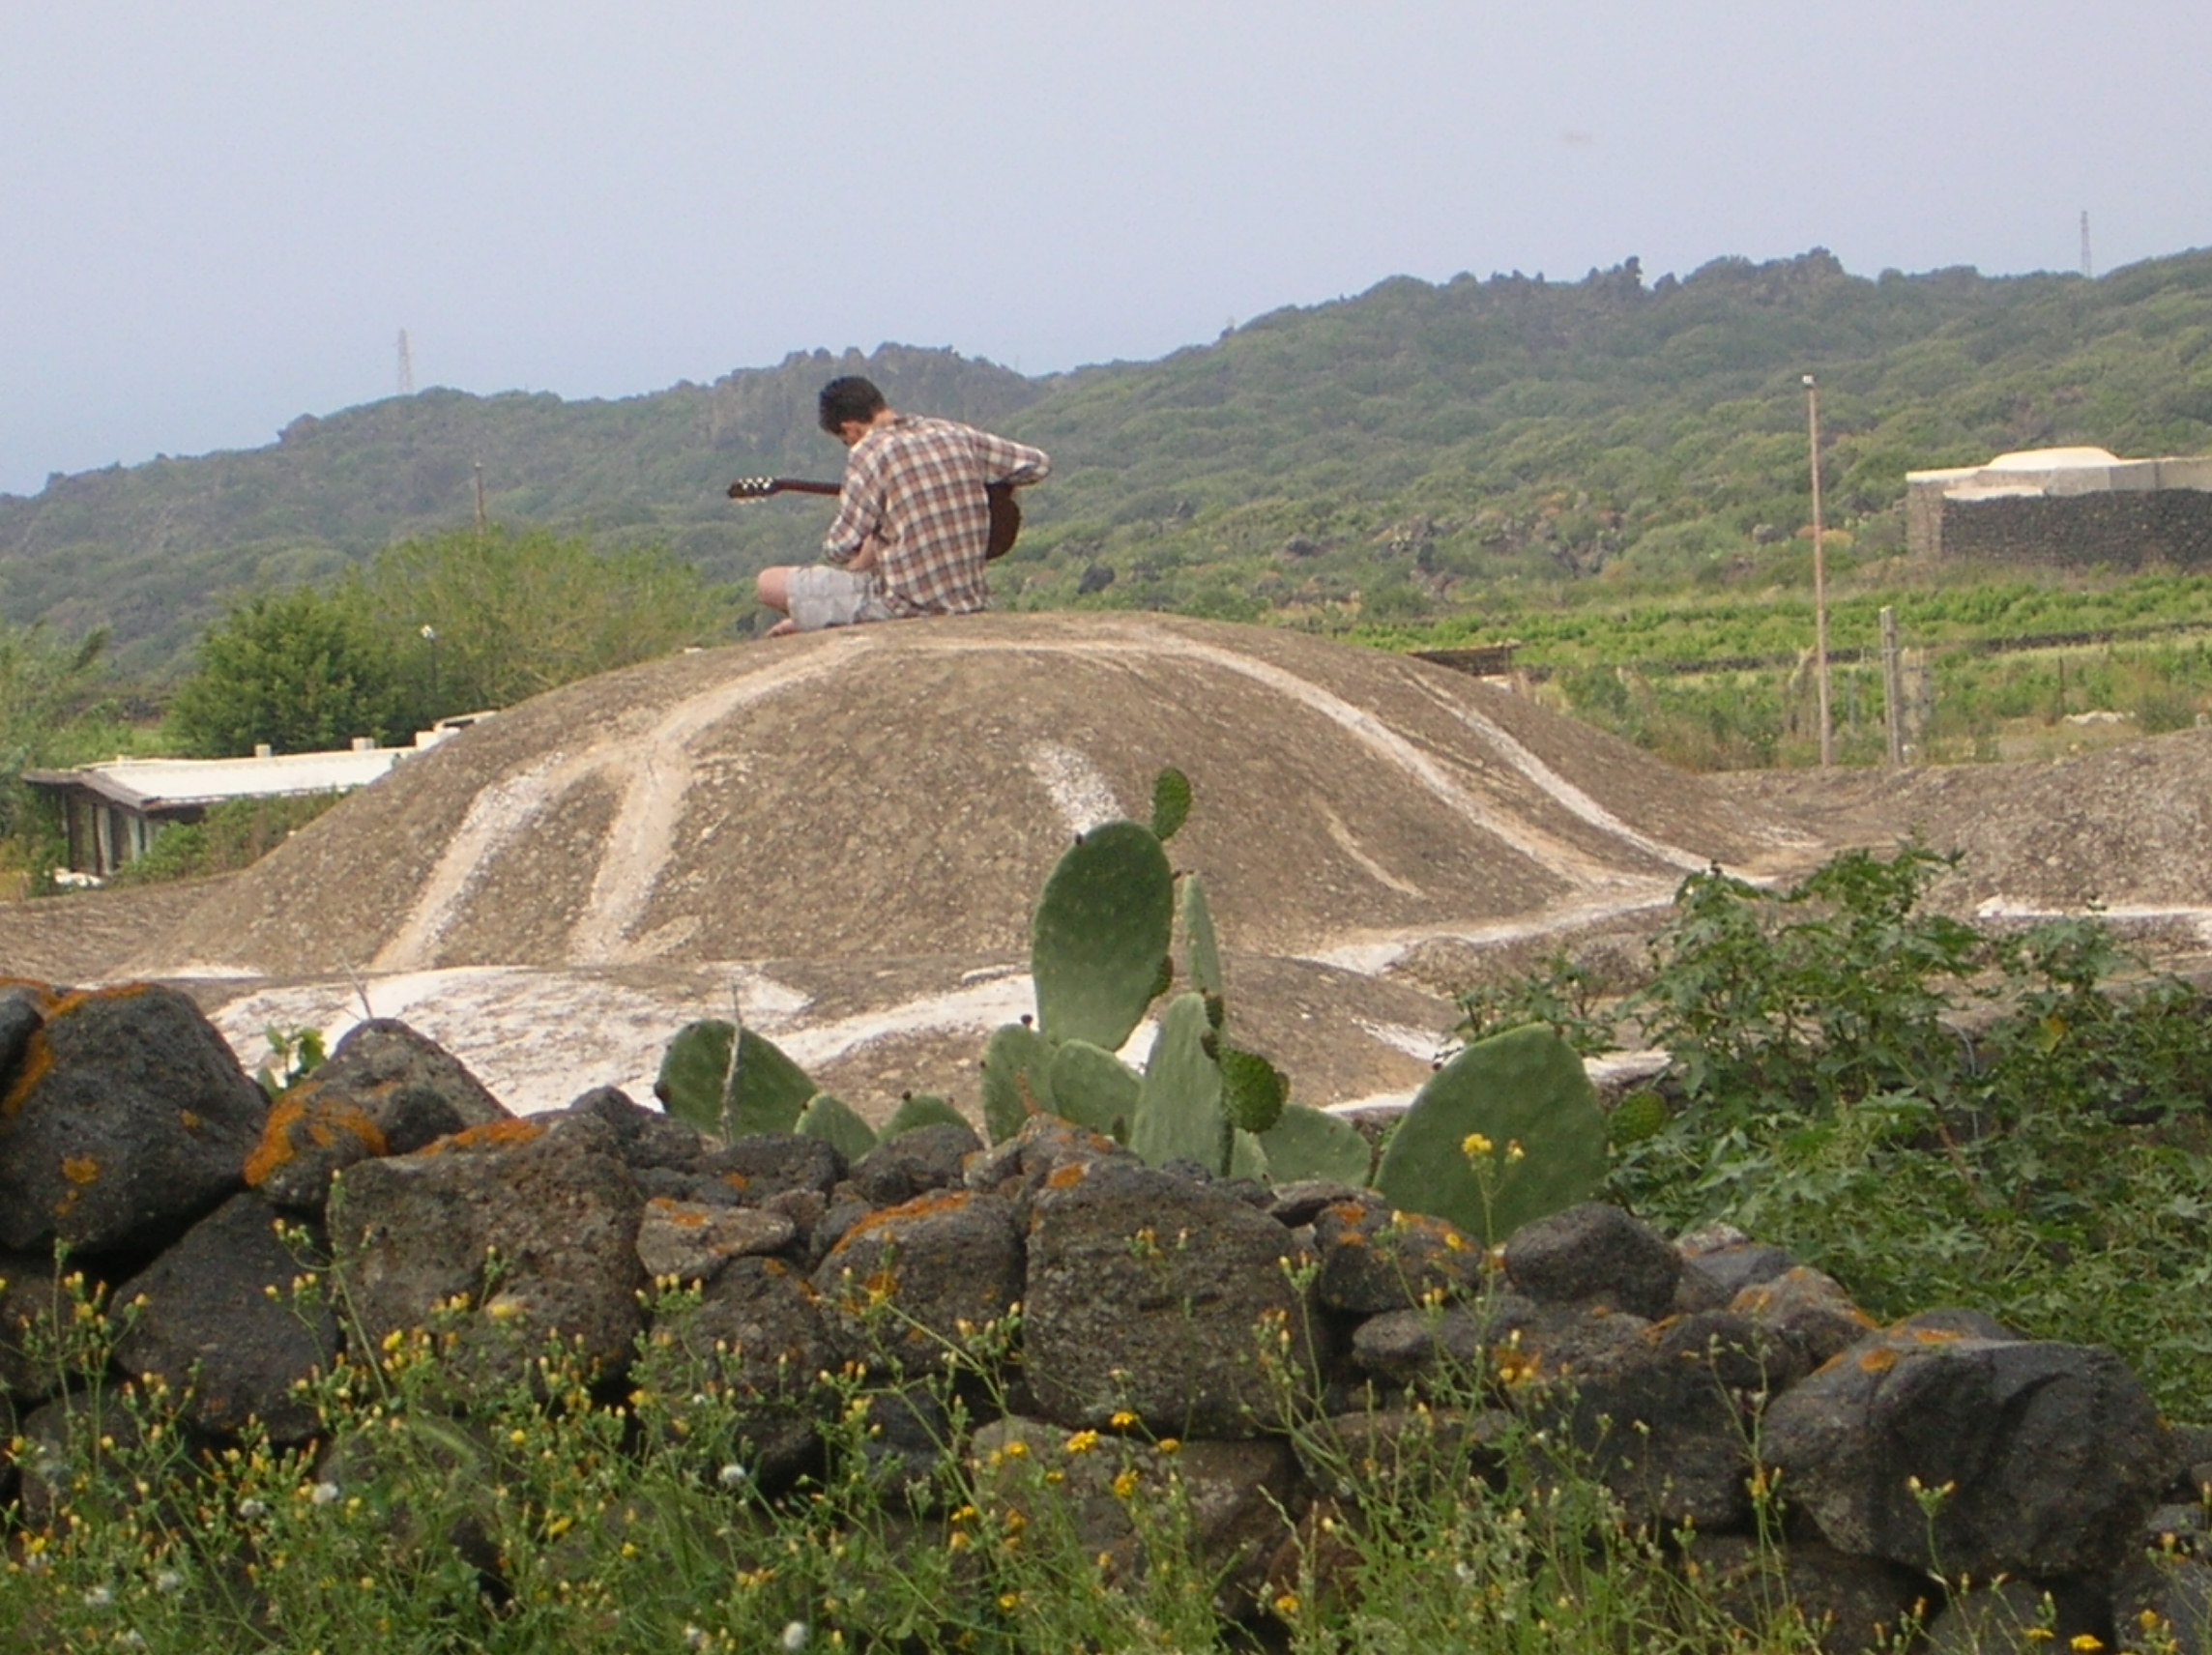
1017,1070
920,1109
1253,1090
830,1119
1452,1155
1313,1143
1093,1088
1179,1114
1100,930
761,1092
1170,802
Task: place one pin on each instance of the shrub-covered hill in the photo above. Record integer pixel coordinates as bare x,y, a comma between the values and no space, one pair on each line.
1385,454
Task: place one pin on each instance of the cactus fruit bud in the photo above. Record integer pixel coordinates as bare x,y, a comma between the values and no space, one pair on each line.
1253,1090
1170,802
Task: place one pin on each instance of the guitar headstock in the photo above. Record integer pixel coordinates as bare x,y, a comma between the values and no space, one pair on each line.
755,487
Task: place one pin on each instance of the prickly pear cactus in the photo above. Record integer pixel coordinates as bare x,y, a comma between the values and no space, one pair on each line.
1100,933
1312,1143
1179,1115
920,1109
1201,951
1248,1158
1508,1131
831,1121
731,1081
1017,1080
1093,1088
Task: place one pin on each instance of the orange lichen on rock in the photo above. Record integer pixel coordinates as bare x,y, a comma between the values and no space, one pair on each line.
1067,1175
80,1169
672,1211
921,1207
38,1059
492,1135
1880,1359
276,1145
299,1114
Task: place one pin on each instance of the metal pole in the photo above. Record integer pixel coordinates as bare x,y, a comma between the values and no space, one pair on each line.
1893,687
1819,577
480,498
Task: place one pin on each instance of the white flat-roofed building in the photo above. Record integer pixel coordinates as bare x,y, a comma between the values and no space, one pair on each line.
113,812
2077,506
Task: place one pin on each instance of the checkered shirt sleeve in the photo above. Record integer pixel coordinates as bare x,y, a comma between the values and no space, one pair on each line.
916,485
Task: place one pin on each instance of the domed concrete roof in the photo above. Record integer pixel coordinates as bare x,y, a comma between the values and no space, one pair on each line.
841,836
902,790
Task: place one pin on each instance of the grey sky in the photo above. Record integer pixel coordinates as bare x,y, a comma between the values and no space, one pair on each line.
216,216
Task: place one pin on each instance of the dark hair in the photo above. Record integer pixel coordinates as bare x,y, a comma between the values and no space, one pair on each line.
850,399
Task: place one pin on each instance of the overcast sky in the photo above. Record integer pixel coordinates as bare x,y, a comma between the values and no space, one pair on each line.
216,216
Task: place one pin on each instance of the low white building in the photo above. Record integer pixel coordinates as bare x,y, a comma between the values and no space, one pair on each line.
113,812
2077,506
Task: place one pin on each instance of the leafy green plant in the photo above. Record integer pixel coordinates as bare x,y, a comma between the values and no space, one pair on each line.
293,1053
1935,1113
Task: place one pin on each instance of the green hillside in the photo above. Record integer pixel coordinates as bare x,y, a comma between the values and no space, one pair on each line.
1388,457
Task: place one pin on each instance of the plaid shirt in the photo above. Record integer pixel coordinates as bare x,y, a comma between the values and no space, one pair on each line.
916,486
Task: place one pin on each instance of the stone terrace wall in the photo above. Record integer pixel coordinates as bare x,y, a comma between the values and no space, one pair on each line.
128,1133
2127,530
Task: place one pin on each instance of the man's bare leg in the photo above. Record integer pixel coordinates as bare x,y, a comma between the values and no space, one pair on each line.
773,589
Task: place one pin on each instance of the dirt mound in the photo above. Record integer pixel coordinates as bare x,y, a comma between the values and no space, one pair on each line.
843,834
2128,828
901,791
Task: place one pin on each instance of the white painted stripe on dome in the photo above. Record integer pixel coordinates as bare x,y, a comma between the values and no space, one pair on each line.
1560,790
651,769
1553,855
1079,791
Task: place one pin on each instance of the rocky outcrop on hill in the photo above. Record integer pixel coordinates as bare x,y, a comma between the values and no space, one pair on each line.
1263,1331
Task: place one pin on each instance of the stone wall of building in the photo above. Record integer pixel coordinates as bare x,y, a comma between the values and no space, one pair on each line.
2130,531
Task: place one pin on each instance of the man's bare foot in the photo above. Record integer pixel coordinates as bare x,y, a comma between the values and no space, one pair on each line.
783,628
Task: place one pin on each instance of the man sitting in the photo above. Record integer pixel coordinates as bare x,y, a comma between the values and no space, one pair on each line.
912,520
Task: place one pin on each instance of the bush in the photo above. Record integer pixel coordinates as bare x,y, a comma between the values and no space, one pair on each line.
234,835
1937,1113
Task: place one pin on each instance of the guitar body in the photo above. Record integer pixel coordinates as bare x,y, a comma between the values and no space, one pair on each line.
1006,509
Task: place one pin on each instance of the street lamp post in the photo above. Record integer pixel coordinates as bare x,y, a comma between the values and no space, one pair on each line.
1819,577
430,637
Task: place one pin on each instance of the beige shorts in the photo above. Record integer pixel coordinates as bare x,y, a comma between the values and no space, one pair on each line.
822,595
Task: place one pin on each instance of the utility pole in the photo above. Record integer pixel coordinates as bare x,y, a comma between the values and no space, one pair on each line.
1819,577
406,367
2088,269
480,498
1892,687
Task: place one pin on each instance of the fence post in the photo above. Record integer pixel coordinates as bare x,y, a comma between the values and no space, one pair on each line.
1892,687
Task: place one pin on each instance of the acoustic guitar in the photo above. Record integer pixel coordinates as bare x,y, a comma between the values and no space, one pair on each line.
1006,510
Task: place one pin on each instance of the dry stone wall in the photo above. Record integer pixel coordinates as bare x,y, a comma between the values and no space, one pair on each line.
2168,528
1252,1326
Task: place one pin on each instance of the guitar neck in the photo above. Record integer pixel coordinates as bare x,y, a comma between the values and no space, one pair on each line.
800,485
